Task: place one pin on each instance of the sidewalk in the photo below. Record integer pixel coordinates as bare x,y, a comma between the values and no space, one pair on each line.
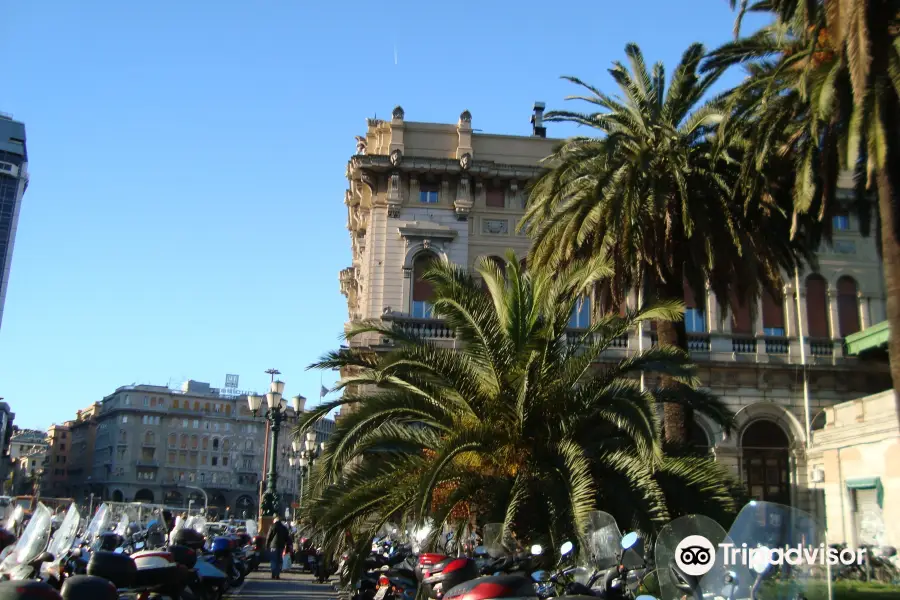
260,586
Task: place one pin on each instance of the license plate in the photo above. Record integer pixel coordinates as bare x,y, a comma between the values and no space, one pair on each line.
381,593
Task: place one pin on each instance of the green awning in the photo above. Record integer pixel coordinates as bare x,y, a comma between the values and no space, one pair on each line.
876,336
868,483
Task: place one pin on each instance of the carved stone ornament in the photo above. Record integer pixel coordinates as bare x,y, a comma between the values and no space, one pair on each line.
407,272
398,113
426,244
361,144
367,179
396,158
465,161
465,117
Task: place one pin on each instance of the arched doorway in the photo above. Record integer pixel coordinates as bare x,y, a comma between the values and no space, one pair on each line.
699,440
144,495
118,496
218,500
245,507
422,291
766,462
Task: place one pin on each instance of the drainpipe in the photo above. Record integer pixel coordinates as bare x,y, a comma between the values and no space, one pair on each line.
808,427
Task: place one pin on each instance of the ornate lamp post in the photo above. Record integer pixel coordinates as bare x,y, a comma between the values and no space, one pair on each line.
275,413
304,454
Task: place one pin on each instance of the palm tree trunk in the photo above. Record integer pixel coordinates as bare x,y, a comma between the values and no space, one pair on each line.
669,333
890,250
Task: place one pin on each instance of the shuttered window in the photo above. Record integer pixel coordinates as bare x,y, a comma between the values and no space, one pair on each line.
848,306
741,321
817,306
773,314
495,197
604,298
422,291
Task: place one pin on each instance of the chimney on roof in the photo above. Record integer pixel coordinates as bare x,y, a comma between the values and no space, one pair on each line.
537,120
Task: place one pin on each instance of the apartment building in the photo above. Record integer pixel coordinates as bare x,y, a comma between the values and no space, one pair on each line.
423,190
194,447
54,481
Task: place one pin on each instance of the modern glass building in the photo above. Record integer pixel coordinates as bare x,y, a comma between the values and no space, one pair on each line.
13,182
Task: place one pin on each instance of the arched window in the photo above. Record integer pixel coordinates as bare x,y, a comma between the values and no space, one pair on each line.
149,438
195,442
248,445
123,436
817,306
174,402
581,314
226,444
206,407
184,442
422,291
848,306
173,440
773,314
205,443
215,443
765,449
196,405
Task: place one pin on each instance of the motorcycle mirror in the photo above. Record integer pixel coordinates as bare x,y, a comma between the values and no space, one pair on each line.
760,560
537,550
480,550
566,548
645,597
629,540
119,550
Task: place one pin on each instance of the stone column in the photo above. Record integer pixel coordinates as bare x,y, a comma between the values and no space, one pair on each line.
834,322
789,306
864,316
759,332
801,324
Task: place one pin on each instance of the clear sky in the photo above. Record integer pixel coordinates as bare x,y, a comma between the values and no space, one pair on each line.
185,214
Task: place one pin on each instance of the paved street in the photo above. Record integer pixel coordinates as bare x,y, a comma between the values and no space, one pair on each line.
259,586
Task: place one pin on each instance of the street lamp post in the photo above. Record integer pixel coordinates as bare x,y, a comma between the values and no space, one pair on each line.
275,414
304,455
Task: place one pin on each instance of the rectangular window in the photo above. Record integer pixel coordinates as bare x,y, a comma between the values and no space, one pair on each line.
694,320
428,193
495,197
203,459
124,418
581,314
841,222
224,461
127,400
184,423
215,461
196,424
421,309
146,401
227,426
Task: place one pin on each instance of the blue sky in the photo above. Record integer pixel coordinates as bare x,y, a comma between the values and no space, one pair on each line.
185,215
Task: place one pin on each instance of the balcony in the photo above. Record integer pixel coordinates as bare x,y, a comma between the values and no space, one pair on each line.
716,346
147,462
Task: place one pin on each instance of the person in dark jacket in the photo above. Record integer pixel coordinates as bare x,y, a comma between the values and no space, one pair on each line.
276,541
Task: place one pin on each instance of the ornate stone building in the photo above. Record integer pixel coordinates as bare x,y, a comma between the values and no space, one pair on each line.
424,190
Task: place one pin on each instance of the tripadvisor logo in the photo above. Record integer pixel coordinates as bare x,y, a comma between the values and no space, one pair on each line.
695,555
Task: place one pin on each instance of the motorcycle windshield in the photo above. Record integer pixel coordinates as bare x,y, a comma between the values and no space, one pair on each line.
124,521
689,556
497,540
99,523
603,540
33,541
65,535
197,523
156,529
252,528
785,551
15,518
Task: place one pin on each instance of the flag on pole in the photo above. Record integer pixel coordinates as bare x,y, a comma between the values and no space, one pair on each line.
323,392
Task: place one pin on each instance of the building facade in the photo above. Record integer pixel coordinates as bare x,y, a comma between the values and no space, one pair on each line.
418,191
26,441
194,447
7,464
13,183
55,476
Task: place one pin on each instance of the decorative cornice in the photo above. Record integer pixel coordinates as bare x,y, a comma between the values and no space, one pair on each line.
478,168
420,229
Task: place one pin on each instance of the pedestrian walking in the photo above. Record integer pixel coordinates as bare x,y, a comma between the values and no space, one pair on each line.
276,541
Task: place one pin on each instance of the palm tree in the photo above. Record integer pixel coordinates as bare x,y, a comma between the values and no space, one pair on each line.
655,192
518,424
824,86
